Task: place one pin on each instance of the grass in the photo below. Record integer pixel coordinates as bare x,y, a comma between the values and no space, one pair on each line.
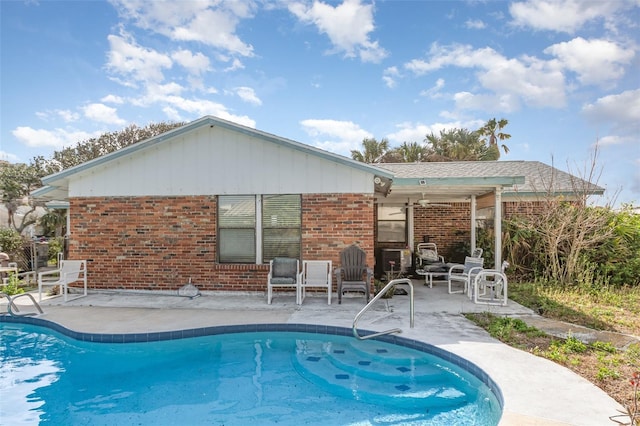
608,309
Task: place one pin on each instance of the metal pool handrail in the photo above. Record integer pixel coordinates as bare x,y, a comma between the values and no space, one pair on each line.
378,296
11,306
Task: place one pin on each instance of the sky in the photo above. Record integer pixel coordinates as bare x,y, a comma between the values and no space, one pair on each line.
565,74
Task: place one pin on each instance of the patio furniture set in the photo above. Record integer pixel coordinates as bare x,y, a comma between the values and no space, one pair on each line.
483,286
352,275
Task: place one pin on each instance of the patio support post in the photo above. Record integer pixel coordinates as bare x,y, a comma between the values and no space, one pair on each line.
410,222
473,223
497,221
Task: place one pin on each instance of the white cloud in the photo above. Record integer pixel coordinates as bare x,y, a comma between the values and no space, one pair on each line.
195,64
247,94
611,140
503,103
527,79
236,64
338,136
66,115
56,138
211,23
623,108
347,25
595,61
102,114
434,92
389,77
112,99
202,107
129,61
561,15
475,24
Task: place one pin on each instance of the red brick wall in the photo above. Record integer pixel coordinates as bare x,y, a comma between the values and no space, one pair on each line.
523,208
158,243
441,225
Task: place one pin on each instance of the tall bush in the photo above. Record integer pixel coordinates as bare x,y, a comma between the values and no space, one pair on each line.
575,244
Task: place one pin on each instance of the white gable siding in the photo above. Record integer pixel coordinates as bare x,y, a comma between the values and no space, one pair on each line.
213,160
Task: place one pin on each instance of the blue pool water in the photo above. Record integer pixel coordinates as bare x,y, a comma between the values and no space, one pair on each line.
253,377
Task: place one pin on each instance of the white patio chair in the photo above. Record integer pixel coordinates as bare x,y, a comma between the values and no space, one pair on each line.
316,274
464,273
427,254
29,276
284,273
490,287
70,272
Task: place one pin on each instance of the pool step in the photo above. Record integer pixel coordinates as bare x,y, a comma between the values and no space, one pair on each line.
362,374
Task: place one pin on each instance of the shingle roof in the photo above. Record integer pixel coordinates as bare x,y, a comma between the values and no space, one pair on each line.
538,177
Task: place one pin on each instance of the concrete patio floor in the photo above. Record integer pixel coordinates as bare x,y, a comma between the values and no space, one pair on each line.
536,391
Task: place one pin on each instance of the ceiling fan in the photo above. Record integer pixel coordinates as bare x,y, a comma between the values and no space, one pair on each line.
424,202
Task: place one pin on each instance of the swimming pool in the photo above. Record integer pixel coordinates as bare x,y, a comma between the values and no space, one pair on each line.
235,375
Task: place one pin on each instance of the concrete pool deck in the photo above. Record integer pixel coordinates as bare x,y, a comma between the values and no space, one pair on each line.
536,391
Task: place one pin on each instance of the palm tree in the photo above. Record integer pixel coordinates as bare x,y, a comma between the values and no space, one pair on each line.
409,153
373,151
493,130
456,144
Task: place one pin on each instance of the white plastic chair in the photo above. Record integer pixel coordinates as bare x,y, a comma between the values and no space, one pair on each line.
27,275
70,271
464,273
490,287
284,273
316,273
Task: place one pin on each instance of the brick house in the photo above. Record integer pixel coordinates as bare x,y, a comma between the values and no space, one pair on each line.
214,201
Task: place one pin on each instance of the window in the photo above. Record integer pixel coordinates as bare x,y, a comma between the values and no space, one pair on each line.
281,220
392,224
237,229
241,239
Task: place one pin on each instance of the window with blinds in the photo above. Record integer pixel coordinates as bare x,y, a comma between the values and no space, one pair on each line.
281,226
279,235
237,229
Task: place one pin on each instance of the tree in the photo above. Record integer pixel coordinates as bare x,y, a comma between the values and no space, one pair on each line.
493,131
408,153
16,183
456,144
373,151
96,147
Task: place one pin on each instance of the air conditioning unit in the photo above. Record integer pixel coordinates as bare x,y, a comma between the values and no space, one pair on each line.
401,259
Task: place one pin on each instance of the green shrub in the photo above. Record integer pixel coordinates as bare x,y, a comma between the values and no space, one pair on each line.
56,245
13,286
10,241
